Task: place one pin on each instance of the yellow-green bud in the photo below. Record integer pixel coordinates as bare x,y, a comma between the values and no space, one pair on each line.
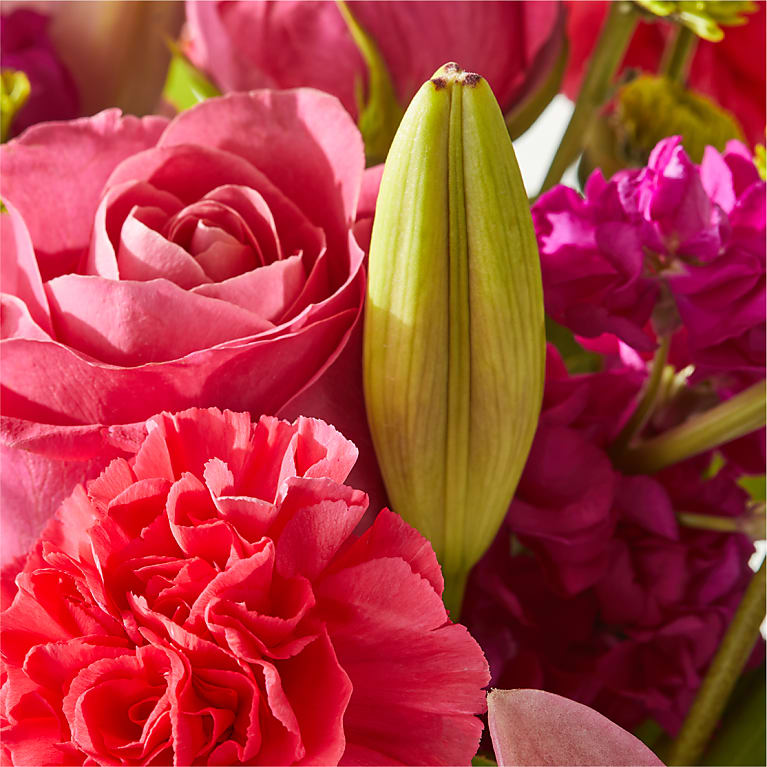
648,109
14,92
454,329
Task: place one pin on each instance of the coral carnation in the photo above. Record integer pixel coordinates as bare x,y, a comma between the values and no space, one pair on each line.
207,603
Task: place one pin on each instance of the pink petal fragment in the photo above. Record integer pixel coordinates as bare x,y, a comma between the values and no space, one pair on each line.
533,727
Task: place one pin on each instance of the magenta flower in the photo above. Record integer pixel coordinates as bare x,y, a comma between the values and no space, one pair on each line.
668,247
27,48
592,588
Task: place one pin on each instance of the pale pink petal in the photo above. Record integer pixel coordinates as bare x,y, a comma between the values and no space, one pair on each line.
533,727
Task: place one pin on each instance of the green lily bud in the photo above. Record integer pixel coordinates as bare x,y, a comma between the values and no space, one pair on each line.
646,110
454,330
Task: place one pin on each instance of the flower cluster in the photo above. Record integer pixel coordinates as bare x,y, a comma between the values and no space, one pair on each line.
191,254
668,246
207,602
593,589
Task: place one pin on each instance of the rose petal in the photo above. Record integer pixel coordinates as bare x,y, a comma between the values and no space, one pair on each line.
144,255
192,172
21,276
44,178
302,140
267,291
66,387
148,321
533,727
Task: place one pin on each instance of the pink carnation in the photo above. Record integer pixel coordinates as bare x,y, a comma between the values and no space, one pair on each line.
662,249
207,602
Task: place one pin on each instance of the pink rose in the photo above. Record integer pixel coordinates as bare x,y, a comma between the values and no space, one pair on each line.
206,602
514,45
154,265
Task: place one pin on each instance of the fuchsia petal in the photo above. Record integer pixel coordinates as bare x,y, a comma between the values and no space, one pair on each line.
533,727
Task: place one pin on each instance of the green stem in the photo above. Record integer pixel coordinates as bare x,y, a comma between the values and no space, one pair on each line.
613,40
724,671
740,415
678,55
455,587
751,524
646,404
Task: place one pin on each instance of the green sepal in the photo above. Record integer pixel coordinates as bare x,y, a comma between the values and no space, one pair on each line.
186,85
380,113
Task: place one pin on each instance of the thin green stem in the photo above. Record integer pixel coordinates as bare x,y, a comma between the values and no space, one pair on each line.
751,524
740,415
722,675
613,40
678,55
647,402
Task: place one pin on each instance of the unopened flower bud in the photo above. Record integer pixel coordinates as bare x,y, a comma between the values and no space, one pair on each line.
646,110
454,333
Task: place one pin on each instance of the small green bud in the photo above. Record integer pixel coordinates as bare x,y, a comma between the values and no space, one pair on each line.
704,17
14,92
454,330
648,109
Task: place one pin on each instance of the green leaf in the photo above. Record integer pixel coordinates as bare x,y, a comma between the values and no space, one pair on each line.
186,85
483,761
381,114
576,358
754,486
740,739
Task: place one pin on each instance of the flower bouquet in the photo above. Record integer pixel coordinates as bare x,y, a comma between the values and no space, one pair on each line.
329,437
